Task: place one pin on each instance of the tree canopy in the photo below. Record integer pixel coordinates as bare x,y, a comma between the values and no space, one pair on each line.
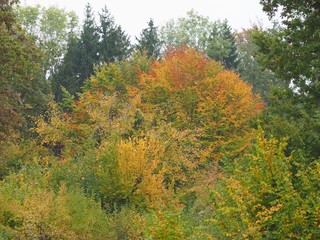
155,141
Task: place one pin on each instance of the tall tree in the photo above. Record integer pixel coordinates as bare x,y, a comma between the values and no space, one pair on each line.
23,88
292,54
20,75
262,80
114,42
81,56
193,30
296,44
88,47
96,44
149,41
66,75
213,38
222,45
49,27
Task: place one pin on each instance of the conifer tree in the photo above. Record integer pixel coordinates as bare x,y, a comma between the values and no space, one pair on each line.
149,41
222,45
78,63
114,42
67,74
88,47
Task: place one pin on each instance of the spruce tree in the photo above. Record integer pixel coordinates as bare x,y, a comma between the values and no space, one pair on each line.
67,74
78,63
231,60
114,42
88,47
96,44
149,41
222,45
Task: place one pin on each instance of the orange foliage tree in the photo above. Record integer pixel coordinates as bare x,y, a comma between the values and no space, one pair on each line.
193,92
141,143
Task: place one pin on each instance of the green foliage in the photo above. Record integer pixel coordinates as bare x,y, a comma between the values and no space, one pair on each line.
49,27
67,102
167,225
213,38
114,44
149,41
290,52
87,48
24,92
97,44
66,74
127,224
262,80
222,45
297,41
193,30
289,115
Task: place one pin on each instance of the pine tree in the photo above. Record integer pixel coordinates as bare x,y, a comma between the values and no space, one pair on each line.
230,61
114,43
222,45
149,41
88,47
67,74
78,63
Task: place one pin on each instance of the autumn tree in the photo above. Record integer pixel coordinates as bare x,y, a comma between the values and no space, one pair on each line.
140,136
261,197
195,92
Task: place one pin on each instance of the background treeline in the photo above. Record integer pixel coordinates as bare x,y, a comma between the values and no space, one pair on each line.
192,131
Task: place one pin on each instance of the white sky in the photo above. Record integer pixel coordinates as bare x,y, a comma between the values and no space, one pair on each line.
133,15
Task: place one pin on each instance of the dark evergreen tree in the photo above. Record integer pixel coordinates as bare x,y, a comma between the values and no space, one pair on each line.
67,74
88,47
149,41
114,42
222,45
78,63
231,60
96,44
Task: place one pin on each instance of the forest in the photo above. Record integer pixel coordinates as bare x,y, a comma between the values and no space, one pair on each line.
192,130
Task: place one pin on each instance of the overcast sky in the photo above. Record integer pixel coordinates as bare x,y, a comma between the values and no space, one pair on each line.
133,15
